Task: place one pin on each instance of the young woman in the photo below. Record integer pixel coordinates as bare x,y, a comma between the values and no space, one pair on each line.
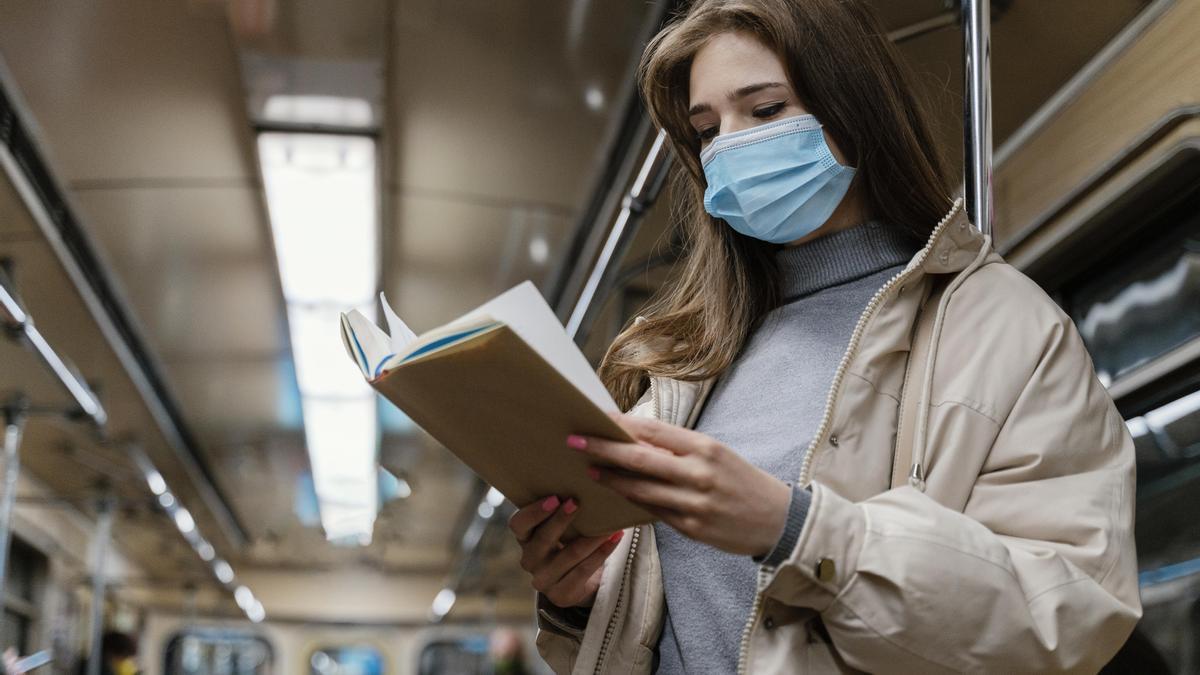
766,388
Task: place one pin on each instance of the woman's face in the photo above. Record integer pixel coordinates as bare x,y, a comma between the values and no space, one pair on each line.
737,83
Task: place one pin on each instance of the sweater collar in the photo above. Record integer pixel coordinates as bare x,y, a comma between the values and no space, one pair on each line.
841,257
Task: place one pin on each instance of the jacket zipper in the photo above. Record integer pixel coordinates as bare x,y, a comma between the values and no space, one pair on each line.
610,629
826,418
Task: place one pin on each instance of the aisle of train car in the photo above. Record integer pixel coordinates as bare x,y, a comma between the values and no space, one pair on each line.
191,190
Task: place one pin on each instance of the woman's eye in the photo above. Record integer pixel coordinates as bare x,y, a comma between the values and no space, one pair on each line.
768,110
706,134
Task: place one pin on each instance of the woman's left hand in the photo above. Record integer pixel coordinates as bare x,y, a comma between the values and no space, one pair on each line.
694,483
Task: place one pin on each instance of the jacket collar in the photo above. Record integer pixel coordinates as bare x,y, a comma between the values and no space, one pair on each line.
953,244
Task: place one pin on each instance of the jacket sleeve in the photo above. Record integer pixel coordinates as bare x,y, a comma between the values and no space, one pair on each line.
560,631
1036,573
559,634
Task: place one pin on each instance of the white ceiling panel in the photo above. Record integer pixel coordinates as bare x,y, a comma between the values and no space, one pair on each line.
507,242
426,297
492,98
233,396
169,225
214,309
130,90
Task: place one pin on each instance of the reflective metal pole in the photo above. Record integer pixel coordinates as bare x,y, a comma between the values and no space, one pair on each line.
977,112
14,424
637,201
104,523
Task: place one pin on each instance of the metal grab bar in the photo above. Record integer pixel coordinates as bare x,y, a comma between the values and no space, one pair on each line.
20,325
977,111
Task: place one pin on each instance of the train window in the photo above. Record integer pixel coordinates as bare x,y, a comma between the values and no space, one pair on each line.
467,655
1135,307
346,660
218,652
1137,303
1168,543
26,569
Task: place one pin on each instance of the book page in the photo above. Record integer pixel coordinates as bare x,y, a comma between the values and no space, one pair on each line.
364,341
525,311
401,334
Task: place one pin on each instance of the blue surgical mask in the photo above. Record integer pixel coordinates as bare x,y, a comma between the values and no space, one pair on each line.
776,182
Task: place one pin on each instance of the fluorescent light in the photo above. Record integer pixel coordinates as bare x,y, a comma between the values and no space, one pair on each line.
184,521
321,194
206,551
321,368
594,97
158,484
443,602
539,249
256,613
338,111
494,497
187,526
486,510
243,597
223,571
342,442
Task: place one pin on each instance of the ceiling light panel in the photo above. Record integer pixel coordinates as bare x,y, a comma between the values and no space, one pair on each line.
322,197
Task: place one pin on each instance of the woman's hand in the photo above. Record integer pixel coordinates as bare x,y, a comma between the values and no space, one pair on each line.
693,483
568,575
10,662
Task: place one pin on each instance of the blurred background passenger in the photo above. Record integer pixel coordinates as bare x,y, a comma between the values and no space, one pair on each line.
507,653
118,655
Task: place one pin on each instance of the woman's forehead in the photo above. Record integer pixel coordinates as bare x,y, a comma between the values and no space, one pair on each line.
729,61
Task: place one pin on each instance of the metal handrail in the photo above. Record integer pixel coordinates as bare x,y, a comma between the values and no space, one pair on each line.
977,111
20,325
17,323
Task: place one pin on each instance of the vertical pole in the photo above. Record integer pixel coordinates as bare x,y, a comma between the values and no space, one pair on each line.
14,425
977,111
104,523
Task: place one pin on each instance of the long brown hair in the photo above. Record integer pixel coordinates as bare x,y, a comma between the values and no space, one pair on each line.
847,74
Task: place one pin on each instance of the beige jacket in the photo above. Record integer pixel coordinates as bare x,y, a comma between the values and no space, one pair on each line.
1016,556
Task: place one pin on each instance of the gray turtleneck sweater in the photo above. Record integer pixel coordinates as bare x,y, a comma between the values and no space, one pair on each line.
766,408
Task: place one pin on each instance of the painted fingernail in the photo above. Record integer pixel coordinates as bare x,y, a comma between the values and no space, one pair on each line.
616,536
570,506
593,473
550,503
577,442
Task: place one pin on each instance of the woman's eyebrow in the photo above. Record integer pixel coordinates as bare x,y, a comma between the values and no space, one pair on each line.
740,92
745,91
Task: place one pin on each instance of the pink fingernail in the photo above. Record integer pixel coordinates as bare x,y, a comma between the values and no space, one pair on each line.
570,506
593,473
616,536
550,503
577,442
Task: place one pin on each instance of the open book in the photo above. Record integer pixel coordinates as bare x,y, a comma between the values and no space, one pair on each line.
501,387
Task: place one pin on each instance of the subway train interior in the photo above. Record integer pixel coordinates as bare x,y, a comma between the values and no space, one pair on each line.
191,191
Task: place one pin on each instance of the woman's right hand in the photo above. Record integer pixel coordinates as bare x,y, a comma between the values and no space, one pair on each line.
568,575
